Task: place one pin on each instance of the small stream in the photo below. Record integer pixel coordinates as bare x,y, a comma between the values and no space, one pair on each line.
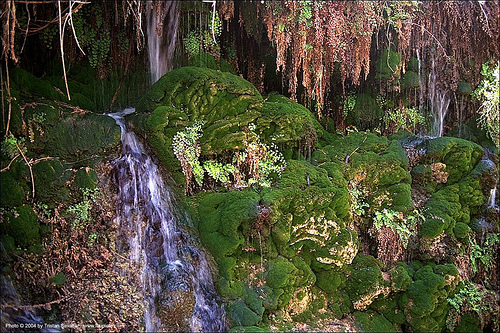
174,275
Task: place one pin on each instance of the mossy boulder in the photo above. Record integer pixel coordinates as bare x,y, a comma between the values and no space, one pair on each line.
22,224
425,302
32,85
460,156
371,321
387,65
366,112
451,205
81,139
286,122
12,192
50,180
410,80
309,217
365,282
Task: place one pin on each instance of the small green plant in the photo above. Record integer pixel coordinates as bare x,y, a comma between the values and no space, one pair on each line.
397,222
485,254
258,164
218,171
11,146
488,94
81,210
187,150
358,204
470,298
406,118
92,239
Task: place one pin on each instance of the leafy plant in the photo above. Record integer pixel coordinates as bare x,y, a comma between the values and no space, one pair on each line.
358,204
218,171
187,150
488,93
11,146
470,298
485,254
397,222
406,118
81,210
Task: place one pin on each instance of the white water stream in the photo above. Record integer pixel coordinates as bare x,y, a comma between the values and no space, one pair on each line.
173,271
162,26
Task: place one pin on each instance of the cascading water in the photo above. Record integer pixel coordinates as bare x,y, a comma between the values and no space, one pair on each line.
162,26
439,103
174,275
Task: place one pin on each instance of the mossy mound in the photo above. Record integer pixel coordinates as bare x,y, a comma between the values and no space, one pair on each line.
12,191
22,224
374,165
366,112
286,122
425,303
371,321
50,180
460,156
365,281
80,138
388,65
452,205
225,103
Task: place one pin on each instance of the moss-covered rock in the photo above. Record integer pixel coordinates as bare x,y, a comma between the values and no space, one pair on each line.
387,65
460,156
12,192
286,122
425,303
365,282
50,180
79,139
371,321
22,224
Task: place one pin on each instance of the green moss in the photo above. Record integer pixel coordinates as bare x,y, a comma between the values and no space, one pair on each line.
86,178
58,279
469,322
387,65
33,85
80,139
204,60
461,231
286,121
365,281
22,224
400,279
425,303
241,315
460,156
329,280
371,321
50,180
366,112
12,192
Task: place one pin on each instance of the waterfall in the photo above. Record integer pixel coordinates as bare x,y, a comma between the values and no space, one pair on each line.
162,26
439,102
493,196
174,275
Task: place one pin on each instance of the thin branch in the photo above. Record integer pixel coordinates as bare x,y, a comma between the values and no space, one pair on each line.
9,306
61,43
27,27
70,16
437,40
10,163
30,168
